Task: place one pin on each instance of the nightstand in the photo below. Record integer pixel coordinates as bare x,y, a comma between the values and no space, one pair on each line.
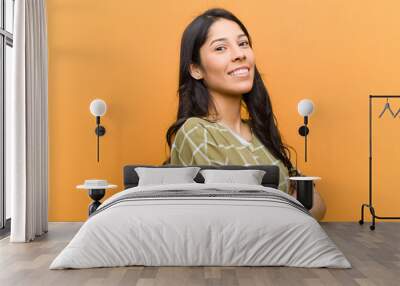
96,190
305,190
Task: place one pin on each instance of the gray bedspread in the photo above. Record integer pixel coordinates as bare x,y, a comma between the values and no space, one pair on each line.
201,224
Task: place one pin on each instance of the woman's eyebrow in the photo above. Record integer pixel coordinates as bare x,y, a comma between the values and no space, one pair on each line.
225,39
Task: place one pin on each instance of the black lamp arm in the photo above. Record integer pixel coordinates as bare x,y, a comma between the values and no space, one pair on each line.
303,131
100,131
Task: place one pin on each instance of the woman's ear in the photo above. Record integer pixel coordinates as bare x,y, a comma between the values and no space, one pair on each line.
195,71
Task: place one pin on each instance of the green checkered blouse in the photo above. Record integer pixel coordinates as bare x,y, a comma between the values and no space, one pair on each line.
200,142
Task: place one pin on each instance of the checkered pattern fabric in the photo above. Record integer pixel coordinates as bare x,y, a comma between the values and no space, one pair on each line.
200,142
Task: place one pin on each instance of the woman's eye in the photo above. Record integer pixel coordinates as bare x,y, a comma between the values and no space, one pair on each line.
221,48
244,43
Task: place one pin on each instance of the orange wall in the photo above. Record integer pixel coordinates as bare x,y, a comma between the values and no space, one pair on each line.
127,52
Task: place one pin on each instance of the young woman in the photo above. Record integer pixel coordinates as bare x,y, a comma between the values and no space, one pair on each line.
218,77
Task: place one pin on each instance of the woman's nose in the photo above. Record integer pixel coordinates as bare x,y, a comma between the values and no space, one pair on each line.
238,54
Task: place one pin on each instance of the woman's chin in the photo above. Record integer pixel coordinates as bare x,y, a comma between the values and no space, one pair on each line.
243,88
237,89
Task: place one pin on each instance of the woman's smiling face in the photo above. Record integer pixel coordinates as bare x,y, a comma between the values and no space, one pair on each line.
227,60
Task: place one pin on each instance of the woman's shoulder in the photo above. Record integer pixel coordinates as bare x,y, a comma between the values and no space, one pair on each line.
198,123
194,128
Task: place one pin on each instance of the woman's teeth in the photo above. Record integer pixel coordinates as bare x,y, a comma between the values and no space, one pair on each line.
240,72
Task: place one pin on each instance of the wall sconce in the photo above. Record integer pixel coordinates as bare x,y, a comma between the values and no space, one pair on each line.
98,108
305,108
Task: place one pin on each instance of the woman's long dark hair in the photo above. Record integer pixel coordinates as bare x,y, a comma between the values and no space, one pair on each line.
195,100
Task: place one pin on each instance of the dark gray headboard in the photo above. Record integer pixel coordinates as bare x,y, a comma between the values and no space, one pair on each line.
270,179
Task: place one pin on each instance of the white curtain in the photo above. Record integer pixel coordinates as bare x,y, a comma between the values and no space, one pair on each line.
26,124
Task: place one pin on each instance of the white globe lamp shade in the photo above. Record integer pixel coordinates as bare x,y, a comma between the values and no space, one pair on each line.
305,107
98,107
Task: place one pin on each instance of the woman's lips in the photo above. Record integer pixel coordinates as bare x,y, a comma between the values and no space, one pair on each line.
242,72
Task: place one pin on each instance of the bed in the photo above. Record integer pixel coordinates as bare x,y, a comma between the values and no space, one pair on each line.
201,224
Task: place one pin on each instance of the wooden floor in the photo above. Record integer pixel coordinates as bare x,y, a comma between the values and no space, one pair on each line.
375,256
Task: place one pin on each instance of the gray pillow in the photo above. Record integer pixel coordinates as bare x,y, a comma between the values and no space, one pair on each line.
248,177
163,176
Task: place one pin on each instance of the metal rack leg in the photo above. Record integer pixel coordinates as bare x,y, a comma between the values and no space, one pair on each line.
374,216
361,221
372,210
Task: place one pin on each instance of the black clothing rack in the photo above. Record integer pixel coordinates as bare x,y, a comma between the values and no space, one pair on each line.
370,206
